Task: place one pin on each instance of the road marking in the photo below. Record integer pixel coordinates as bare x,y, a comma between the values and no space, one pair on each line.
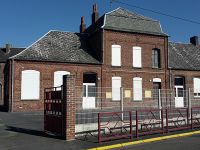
145,141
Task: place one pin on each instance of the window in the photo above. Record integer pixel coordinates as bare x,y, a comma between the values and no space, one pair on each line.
196,82
137,57
116,85
137,89
155,58
116,55
30,84
58,77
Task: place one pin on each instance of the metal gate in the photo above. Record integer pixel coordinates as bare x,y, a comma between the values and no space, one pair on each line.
53,111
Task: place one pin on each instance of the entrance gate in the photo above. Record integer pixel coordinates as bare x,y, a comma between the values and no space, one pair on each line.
53,111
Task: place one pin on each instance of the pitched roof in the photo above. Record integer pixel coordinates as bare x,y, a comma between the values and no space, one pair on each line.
59,46
184,56
121,19
13,51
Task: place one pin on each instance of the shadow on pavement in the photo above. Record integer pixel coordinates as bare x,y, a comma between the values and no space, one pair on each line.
32,132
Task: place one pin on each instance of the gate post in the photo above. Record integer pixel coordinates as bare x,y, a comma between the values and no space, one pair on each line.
69,107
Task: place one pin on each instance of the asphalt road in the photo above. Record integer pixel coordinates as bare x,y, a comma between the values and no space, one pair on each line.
22,131
181,143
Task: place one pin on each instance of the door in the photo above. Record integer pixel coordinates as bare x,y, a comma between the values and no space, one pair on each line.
156,96
89,95
179,96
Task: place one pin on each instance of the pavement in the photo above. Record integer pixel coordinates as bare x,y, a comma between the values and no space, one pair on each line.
22,131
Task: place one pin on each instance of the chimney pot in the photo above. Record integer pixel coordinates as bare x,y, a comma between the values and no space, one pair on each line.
95,14
194,40
82,26
8,46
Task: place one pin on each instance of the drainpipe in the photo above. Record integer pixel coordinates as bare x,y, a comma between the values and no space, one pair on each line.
170,84
12,85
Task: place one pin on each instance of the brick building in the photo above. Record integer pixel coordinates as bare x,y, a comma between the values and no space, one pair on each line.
5,53
119,49
184,69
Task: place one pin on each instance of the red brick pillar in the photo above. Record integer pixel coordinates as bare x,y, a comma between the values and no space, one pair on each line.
69,107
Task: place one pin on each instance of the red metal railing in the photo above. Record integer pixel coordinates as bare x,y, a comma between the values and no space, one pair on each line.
114,125
177,119
149,121
195,117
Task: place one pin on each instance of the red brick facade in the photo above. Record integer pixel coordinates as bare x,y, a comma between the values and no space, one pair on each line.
105,72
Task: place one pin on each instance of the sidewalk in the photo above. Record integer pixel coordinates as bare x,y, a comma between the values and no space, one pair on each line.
22,131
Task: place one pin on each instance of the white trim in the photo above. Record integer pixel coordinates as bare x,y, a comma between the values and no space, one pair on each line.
156,80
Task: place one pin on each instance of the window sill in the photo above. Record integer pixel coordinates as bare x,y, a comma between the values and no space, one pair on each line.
137,67
116,66
30,99
157,68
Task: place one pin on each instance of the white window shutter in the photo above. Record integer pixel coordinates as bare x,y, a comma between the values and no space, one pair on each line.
58,77
137,57
196,85
137,89
116,55
116,85
30,84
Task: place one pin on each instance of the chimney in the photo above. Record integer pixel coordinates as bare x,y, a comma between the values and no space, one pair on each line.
8,46
82,26
194,40
95,14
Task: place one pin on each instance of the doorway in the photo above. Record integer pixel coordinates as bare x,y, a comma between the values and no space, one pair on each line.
179,91
89,90
156,94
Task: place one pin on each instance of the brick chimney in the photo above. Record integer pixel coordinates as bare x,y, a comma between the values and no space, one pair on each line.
95,14
194,40
8,46
82,26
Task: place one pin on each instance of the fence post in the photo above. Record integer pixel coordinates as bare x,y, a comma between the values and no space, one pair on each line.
99,127
136,118
159,102
189,102
166,115
191,118
122,102
69,107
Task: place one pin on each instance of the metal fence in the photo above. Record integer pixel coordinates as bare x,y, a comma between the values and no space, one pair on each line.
91,100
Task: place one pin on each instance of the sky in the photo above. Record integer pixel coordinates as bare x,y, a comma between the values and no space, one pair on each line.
22,22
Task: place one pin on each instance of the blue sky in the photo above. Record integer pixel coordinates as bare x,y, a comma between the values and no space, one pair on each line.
24,21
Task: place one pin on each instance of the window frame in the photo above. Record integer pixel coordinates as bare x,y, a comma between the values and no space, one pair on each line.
155,55
135,63
198,89
59,72
141,90
114,61
24,85
118,98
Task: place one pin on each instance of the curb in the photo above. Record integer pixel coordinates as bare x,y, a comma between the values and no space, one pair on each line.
145,141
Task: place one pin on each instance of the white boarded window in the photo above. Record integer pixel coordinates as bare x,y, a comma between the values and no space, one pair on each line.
116,87
116,55
30,85
137,57
196,87
58,77
137,89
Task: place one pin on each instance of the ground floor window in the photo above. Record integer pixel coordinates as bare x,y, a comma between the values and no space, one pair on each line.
196,83
58,77
137,89
30,84
116,87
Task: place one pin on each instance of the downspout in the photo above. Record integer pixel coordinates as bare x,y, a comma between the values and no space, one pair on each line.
12,85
